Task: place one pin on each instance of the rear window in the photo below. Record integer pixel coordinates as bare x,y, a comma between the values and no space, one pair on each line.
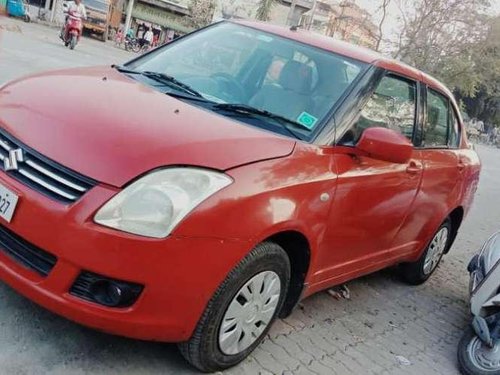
437,122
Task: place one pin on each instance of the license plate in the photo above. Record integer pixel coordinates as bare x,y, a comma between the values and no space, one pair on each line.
8,203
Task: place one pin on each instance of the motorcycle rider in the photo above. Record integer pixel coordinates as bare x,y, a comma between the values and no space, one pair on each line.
77,8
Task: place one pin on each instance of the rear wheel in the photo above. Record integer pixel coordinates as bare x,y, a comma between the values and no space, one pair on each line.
73,41
418,272
475,357
241,311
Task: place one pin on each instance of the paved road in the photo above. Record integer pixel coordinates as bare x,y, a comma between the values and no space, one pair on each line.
26,49
383,319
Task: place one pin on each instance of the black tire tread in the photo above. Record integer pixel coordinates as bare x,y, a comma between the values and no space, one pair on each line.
191,350
412,273
465,364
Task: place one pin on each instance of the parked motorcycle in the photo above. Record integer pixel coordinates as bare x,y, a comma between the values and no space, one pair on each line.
132,44
479,348
72,30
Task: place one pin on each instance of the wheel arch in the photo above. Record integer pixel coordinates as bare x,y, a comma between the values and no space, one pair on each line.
456,217
298,249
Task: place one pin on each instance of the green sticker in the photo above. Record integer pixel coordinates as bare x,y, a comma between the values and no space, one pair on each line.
307,120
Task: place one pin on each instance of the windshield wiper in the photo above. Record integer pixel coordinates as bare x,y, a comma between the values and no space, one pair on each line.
249,110
165,78
162,78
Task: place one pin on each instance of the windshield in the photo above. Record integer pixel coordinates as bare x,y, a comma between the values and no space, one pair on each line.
230,63
96,4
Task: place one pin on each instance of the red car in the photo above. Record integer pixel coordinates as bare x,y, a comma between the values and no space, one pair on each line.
200,191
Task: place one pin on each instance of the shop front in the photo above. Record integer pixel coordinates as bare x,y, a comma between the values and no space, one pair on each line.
164,18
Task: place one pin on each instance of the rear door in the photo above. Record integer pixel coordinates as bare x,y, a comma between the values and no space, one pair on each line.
443,169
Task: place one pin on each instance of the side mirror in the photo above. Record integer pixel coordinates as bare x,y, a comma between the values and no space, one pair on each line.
385,144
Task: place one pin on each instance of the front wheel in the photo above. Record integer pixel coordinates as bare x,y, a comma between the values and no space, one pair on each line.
241,311
73,41
418,272
477,358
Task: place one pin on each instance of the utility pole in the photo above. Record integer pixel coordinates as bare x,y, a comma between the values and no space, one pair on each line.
54,7
313,13
128,19
291,14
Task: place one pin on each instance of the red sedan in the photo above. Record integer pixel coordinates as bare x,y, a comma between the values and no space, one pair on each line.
200,191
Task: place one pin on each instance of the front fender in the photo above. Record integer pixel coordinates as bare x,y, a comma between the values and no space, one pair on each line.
291,193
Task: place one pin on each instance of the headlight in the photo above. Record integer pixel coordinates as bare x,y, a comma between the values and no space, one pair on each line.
156,203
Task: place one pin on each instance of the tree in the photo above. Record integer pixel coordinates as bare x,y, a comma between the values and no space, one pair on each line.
264,10
442,37
202,12
459,43
485,104
379,37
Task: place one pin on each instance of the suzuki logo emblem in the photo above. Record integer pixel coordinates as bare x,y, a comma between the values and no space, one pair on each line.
10,162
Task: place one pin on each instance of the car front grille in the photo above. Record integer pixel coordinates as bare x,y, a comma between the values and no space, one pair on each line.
41,173
26,254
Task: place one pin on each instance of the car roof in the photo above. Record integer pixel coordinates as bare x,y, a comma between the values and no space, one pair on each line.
349,50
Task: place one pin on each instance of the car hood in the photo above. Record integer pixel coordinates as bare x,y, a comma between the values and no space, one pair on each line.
111,128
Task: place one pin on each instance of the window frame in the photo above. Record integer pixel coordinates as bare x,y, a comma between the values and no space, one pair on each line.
361,105
451,112
454,117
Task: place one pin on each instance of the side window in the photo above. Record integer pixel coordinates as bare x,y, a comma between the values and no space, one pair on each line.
454,134
436,126
392,105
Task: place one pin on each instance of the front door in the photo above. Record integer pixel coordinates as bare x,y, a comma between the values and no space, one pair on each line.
373,197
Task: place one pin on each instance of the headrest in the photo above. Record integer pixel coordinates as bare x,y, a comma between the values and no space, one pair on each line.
296,76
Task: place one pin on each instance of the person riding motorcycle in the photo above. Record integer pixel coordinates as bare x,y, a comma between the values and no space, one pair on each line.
77,8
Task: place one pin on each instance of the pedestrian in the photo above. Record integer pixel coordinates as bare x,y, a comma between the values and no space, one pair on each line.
75,8
148,39
130,33
119,38
494,135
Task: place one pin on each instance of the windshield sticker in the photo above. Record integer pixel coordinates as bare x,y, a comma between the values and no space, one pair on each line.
307,120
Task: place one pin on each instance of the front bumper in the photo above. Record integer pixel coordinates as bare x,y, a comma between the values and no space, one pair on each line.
179,274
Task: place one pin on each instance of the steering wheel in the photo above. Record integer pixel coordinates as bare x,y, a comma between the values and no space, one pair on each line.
229,87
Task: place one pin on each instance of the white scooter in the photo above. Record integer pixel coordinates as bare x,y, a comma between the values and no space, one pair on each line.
479,348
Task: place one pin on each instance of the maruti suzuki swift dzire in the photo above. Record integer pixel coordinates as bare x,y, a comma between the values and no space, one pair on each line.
198,192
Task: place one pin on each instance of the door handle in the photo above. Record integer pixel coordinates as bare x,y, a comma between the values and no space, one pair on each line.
461,165
414,168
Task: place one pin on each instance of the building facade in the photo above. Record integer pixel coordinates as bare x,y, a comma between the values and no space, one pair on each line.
281,13
343,20
166,18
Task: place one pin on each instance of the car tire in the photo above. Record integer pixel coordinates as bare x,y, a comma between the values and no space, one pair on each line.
468,364
205,350
418,272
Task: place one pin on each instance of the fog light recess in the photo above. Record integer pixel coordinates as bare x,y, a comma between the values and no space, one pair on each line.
105,291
